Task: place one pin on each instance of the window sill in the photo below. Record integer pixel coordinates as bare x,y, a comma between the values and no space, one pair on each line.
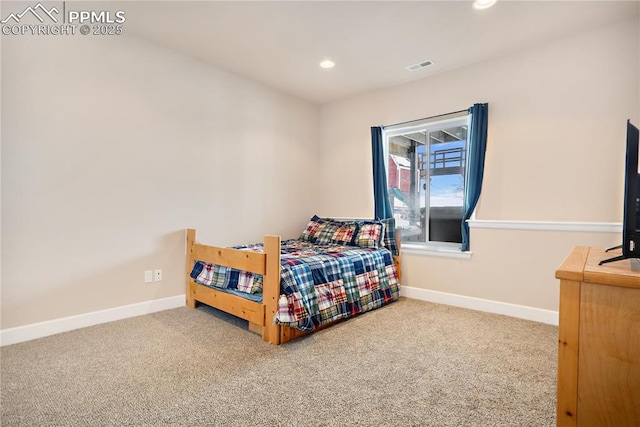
436,251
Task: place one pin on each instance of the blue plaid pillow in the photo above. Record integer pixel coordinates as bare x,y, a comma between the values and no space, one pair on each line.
345,234
334,232
389,238
369,234
324,235
311,231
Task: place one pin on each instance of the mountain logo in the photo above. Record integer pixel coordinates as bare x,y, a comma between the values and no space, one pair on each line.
36,11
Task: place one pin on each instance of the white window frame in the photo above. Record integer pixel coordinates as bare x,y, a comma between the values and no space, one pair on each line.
446,249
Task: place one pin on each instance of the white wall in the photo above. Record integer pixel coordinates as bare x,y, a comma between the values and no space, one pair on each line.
112,146
555,152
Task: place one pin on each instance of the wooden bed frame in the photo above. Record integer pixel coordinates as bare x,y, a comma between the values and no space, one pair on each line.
259,315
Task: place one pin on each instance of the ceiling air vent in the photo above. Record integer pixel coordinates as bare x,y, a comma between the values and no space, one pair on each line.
420,65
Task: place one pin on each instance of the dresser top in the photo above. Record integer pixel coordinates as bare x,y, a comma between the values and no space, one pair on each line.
581,265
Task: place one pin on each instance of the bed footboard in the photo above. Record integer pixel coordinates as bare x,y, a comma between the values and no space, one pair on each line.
259,315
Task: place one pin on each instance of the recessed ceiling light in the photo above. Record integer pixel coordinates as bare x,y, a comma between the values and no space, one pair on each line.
483,4
327,63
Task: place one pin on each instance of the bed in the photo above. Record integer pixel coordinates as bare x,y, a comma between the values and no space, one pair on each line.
286,289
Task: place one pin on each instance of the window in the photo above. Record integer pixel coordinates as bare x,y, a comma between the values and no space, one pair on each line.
426,179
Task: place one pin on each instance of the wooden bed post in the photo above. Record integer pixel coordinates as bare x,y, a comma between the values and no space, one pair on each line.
271,289
396,258
188,291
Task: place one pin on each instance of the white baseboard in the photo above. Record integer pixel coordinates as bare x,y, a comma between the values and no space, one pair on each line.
56,326
523,312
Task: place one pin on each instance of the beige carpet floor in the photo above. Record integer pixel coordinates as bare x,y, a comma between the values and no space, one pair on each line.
411,363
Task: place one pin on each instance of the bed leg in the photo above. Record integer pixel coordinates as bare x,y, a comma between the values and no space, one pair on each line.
190,300
189,291
287,334
255,328
271,289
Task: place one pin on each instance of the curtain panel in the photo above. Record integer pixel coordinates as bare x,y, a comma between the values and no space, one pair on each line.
382,206
477,146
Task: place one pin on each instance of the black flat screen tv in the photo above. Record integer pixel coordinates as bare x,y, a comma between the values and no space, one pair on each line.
631,215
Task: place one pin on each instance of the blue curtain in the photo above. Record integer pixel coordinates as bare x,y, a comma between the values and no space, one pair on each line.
475,165
382,206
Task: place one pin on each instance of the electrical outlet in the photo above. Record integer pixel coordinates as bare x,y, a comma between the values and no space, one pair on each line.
157,275
148,276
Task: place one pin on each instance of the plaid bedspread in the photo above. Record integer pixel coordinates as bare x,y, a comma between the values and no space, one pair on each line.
319,283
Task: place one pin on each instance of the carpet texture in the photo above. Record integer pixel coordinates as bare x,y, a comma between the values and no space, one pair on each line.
411,363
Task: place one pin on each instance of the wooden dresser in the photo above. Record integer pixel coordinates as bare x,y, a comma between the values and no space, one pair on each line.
598,340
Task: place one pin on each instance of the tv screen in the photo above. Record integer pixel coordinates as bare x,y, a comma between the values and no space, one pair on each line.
631,215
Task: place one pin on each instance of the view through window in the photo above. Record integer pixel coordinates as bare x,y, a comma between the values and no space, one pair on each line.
426,179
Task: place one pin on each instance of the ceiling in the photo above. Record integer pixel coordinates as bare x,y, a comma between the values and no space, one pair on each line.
372,42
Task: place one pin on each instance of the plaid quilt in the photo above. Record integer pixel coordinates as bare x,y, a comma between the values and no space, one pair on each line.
319,283
217,276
